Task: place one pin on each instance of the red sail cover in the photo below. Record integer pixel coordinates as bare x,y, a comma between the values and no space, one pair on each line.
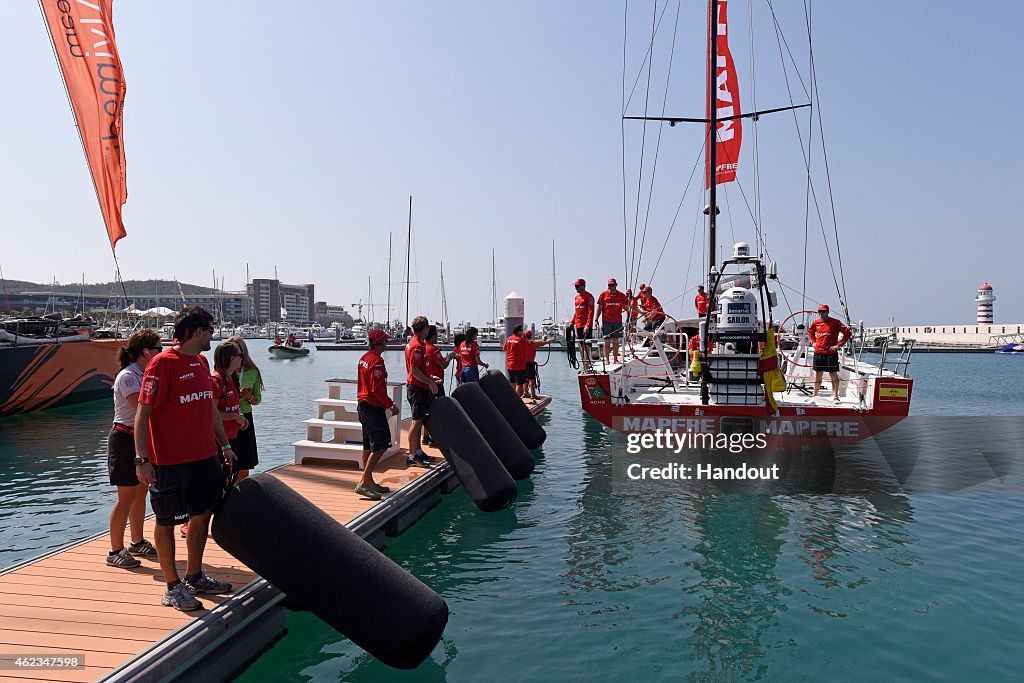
727,99
83,38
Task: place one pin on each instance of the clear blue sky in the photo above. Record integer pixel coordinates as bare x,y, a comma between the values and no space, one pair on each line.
292,134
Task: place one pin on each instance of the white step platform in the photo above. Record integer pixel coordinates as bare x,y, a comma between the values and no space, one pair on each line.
340,437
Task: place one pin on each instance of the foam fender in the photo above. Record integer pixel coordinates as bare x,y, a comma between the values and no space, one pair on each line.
483,476
512,408
329,570
500,436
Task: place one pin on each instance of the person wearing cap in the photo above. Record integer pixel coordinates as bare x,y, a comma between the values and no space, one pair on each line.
701,301
654,314
610,305
583,318
517,350
531,361
825,333
374,403
420,390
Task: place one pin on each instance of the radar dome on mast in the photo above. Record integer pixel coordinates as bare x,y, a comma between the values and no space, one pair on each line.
741,250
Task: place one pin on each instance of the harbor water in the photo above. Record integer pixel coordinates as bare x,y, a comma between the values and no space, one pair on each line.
585,579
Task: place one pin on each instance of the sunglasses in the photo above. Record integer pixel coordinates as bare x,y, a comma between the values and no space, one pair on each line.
156,348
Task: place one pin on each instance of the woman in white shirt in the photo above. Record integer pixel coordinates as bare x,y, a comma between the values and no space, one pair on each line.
130,507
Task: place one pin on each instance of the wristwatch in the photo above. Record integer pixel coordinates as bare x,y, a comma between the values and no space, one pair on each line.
139,460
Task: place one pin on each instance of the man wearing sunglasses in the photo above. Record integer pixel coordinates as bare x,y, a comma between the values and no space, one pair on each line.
177,431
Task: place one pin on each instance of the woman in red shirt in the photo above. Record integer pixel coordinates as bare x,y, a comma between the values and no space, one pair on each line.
469,357
227,360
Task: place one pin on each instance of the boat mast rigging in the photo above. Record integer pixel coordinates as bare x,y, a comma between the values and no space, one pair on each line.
408,253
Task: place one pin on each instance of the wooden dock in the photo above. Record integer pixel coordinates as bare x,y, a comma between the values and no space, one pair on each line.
70,603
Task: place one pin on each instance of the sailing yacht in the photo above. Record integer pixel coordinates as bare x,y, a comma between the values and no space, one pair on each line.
735,380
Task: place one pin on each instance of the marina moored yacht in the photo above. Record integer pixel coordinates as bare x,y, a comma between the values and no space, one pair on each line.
734,379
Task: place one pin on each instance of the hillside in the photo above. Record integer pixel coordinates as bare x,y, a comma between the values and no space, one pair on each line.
133,287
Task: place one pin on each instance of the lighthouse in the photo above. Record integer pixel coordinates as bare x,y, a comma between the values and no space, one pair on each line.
985,299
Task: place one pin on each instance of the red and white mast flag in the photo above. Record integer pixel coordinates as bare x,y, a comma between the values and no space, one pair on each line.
727,98
83,40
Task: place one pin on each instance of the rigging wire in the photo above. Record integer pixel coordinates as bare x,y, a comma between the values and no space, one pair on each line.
643,144
661,129
648,55
828,177
758,227
679,207
622,149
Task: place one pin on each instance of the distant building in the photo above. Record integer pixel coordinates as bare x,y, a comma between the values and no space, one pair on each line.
269,297
326,310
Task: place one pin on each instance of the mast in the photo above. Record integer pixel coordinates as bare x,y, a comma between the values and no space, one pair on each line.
369,300
494,295
554,288
408,250
387,321
712,143
444,302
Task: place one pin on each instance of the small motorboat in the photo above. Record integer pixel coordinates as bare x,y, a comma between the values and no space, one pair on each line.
285,351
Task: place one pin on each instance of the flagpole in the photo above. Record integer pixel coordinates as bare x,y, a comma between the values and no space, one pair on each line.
81,139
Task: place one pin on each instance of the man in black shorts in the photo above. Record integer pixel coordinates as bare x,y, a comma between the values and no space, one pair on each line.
178,426
420,390
583,317
374,405
828,336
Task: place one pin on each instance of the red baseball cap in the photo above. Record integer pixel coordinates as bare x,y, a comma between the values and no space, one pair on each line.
528,334
612,281
643,288
580,281
377,337
823,307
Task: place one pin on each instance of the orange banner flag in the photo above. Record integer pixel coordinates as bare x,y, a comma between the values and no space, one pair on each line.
83,39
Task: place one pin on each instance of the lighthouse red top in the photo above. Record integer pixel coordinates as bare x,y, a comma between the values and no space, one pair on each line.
985,287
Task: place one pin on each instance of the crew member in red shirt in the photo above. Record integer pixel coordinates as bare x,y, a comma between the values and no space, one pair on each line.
701,301
227,360
654,314
437,362
469,357
610,305
583,318
177,426
531,362
517,350
373,407
825,334
420,390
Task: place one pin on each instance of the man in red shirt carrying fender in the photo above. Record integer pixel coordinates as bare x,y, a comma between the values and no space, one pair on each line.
177,426
824,334
374,405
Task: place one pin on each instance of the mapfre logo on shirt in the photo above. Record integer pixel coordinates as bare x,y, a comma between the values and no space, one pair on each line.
196,396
